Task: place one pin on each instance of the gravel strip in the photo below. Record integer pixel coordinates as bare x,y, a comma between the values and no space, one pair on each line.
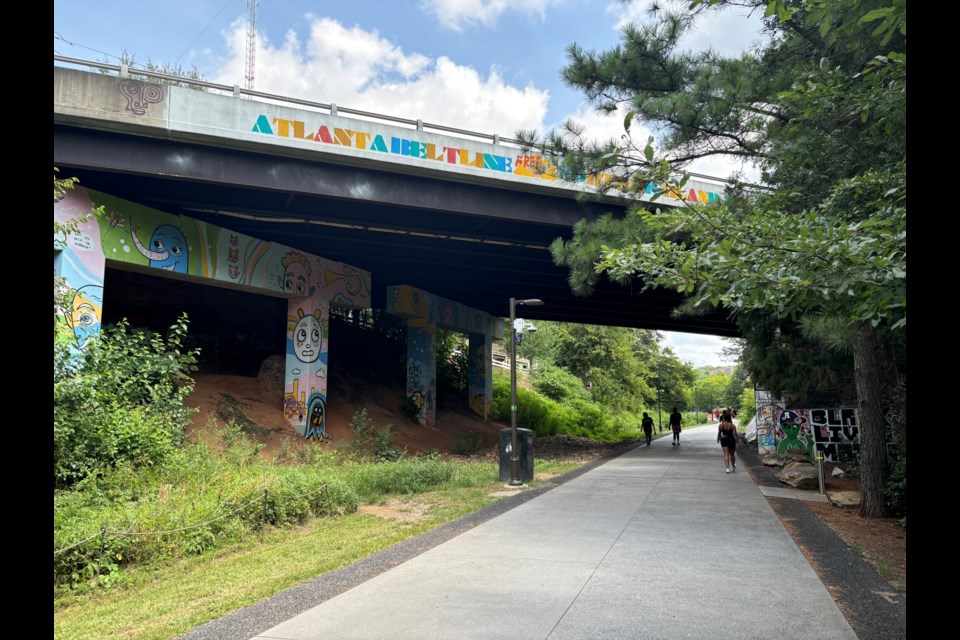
868,602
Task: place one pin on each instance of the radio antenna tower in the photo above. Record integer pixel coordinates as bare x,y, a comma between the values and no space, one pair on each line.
251,43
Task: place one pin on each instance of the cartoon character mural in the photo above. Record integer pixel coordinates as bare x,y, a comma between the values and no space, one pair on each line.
179,244
308,336
167,249
305,400
791,425
79,262
84,315
316,425
296,275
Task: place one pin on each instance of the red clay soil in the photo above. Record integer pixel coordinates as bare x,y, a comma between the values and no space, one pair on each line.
217,396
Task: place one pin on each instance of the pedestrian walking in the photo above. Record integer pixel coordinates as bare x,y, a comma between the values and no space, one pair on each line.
647,424
727,437
675,420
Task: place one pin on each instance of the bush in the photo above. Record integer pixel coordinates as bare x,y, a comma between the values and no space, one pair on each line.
896,488
121,401
534,412
559,384
383,448
452,361
409,409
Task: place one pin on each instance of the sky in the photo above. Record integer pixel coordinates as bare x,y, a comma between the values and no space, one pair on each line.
483,65
698,350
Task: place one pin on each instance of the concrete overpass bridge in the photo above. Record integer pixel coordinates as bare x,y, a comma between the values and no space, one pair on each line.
385,202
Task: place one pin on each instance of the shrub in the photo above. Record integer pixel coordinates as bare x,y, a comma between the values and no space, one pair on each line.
120,401
409,409
534,412
383,448
559,384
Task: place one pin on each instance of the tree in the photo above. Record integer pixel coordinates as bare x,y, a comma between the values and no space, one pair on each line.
129,59
821,109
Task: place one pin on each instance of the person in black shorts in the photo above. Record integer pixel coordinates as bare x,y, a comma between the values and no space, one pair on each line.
727,437
647,424
675,420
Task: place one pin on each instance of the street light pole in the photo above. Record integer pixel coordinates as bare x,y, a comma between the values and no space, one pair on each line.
515,480
659,412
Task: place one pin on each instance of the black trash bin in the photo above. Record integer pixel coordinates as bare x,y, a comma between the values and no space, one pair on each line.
524,445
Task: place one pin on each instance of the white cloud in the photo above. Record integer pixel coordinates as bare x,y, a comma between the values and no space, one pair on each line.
356,68
701,350
729,31
457,14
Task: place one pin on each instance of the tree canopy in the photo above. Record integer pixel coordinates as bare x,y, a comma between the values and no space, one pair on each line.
820,108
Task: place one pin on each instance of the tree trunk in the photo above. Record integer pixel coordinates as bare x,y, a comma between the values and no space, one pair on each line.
873,448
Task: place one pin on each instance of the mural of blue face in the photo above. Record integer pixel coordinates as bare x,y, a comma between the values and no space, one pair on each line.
167,249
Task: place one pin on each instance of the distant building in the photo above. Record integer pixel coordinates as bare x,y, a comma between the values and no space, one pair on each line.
501,360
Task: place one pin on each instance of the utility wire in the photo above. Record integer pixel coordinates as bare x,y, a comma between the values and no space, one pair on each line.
57,36
309,72
202,32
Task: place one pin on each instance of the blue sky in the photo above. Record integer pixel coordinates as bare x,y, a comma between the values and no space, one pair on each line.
483,65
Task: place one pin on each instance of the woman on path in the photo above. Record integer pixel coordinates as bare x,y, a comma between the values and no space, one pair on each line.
675,419
727,437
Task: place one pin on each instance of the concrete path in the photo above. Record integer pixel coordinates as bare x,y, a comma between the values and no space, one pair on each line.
657,543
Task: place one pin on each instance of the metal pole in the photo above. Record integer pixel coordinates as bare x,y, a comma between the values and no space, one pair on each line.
514,458
659,412
819,455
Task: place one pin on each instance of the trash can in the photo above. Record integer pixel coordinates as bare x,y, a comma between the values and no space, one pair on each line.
525,446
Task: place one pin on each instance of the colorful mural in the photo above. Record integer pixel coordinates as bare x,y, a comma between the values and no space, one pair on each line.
832,433
424,312
381,140
78,259
767,409
793,432
136,235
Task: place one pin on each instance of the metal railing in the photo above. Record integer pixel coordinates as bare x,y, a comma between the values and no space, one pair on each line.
332,108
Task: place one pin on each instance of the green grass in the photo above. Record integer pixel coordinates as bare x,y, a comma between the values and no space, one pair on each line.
165,602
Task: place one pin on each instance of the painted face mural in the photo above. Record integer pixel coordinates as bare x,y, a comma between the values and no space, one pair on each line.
167,248
316,417
84,315
296,275
307,337
791,424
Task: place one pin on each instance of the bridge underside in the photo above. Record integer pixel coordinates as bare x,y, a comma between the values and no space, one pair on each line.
473,243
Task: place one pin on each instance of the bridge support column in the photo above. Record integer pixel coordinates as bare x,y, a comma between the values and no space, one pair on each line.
480,374
79,260
424,313
305,372
422,370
